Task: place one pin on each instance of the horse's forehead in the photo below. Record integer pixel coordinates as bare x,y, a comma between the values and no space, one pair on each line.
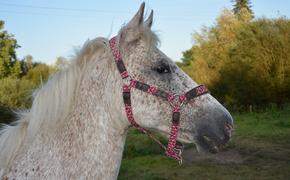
150,54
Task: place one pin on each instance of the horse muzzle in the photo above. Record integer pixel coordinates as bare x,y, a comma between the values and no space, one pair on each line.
212,136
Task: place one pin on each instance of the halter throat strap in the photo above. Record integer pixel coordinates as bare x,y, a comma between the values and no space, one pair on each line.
173,149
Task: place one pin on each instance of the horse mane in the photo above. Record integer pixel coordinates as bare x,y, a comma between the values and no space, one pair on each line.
53,101
51,104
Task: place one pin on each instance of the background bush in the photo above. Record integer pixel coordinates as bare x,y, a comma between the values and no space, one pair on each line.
243,61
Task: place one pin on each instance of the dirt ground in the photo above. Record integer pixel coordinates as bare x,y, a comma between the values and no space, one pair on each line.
227,156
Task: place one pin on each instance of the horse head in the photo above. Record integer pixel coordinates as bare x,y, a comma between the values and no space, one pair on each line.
203,120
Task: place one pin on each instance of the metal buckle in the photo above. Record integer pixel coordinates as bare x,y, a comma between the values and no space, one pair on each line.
127,80
181,104
180,161
179,148
173,102
176,101
179,152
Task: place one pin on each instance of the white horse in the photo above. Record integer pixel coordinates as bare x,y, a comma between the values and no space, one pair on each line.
77,126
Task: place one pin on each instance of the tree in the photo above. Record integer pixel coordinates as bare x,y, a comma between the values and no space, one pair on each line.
259,67
16,70
187,57
61,62
39,74
8,45
15,92
243,62
29,61
210,49
241,7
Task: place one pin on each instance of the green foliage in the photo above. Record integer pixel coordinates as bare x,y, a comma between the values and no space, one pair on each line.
211,49
140,141
8,60
243,62
187,57
15,92
259,64
39,73
16,69
16,89
18,78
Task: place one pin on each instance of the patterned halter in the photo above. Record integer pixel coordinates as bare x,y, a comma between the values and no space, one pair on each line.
173,149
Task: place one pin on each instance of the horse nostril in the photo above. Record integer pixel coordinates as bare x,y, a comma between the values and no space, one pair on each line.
229,121
214,149
227,133
228,128
228,125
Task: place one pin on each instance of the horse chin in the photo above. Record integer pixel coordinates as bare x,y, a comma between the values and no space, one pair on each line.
206,148
184,140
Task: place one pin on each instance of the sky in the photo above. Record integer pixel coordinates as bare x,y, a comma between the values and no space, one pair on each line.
47,29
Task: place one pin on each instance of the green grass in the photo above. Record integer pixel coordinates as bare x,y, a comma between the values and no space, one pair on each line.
262,140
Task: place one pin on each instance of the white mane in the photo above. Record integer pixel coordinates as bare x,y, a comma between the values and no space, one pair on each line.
51,104
53,101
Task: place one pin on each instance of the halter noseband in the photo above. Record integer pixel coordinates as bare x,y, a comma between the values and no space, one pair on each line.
172,150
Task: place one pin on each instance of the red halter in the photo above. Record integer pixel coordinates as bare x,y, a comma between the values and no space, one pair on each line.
172,150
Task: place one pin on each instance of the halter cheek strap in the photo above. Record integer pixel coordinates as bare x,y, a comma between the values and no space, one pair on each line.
172,150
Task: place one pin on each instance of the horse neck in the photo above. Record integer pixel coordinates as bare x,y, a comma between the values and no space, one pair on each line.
93,144
90,143
97,123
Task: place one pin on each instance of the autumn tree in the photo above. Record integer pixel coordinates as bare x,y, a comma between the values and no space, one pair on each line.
243,62
259,68
18,78
210,50
187,57
241,7
8,60
15,93
39,74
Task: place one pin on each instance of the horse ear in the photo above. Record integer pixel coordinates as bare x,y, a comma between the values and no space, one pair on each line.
137,20
149,21
134,28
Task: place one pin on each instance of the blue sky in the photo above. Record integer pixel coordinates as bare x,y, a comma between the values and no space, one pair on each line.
47,29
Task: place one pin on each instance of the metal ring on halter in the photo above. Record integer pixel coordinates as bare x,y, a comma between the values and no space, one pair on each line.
174,104
180,161
171,102
127,80
182,103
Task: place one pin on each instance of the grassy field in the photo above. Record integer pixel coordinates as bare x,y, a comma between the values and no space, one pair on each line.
260,149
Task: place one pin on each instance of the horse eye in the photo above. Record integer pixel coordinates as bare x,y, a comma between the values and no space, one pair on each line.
162,69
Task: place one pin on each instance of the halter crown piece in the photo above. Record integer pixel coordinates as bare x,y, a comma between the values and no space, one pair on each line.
172,150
